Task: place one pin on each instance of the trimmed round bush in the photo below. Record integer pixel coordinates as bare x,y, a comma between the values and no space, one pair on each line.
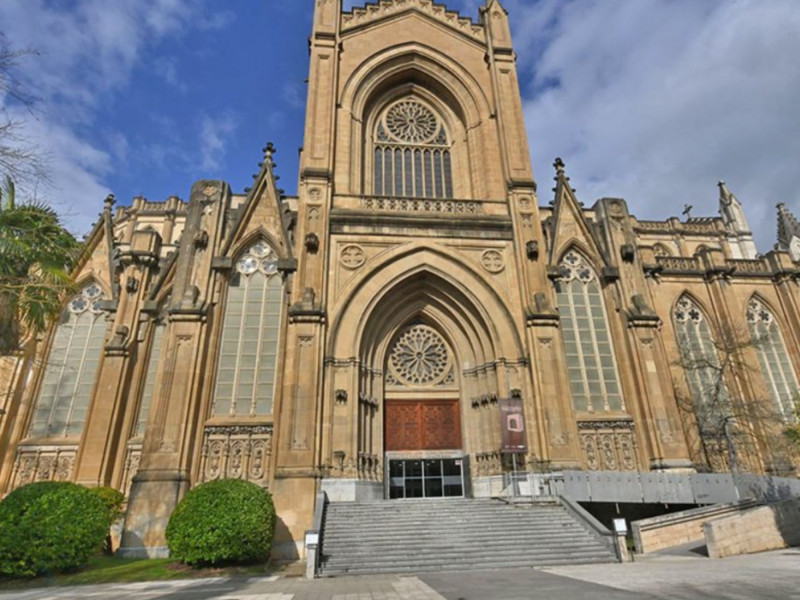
50,527
222,522
113,500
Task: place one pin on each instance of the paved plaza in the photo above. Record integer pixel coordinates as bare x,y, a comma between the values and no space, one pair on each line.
768,576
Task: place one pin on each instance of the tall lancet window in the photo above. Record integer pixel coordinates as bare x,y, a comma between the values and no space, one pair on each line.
249,347
412,155
71,368
772,357
157,330
700,361
591,365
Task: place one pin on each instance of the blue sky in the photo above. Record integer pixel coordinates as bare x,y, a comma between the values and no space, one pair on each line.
650,100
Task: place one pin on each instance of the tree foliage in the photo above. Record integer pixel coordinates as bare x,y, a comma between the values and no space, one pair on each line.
726,420
21,160
36,254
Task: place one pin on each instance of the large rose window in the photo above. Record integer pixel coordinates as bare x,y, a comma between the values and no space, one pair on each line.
420,357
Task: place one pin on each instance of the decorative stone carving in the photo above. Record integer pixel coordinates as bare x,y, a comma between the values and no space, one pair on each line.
420,205
532,249
237,452
420,357
608,445
312,242
492,261
340,396
352,256
133,458
385,8
627,252
43,463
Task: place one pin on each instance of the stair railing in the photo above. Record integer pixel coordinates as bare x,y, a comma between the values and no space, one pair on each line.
313,538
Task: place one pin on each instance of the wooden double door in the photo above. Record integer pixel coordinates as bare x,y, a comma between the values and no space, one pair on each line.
422,425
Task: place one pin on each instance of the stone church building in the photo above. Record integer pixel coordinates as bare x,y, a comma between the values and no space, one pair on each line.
362,337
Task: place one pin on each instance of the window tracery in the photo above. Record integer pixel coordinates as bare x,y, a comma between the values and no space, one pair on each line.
420,357
71,367
412,155
591,366
250,335
701,364
772,357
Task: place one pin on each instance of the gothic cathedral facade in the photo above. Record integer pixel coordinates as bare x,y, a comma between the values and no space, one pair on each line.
373,325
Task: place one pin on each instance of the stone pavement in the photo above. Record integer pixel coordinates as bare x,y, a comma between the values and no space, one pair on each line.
767,576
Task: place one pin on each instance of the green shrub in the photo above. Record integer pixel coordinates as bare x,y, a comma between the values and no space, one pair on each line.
221,523
49,527
113,500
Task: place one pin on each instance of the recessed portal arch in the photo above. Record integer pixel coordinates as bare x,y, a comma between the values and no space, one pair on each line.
424,294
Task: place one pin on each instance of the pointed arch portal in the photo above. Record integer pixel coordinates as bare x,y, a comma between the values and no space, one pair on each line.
430,345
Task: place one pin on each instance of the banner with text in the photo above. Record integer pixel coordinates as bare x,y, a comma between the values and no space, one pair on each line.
512,426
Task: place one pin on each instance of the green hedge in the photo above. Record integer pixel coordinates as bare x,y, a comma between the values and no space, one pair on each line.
221,523
50,527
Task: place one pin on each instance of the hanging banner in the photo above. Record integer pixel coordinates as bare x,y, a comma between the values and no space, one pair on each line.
512,426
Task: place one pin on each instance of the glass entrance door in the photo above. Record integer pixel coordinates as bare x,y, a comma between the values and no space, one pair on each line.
426,478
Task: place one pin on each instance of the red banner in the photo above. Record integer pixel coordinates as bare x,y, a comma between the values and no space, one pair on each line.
512,426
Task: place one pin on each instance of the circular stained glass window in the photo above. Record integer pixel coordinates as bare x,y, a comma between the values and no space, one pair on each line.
247,265
410,121
419,357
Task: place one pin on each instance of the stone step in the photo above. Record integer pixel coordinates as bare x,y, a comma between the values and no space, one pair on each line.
425,535
454,565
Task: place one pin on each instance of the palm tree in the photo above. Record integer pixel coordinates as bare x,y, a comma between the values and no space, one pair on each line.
36,254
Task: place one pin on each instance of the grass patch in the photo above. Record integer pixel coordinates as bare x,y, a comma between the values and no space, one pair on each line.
110,569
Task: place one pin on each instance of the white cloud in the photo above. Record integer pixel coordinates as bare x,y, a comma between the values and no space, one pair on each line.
215,133
87,52
655,100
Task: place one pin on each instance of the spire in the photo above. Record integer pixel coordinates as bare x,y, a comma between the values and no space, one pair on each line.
726,198
788,227
731,210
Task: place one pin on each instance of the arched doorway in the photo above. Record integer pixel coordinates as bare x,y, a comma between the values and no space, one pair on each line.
417,285
423,438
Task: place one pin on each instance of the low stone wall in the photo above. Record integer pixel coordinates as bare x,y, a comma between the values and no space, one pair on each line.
756,530
681,527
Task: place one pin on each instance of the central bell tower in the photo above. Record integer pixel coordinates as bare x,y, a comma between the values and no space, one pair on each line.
416,206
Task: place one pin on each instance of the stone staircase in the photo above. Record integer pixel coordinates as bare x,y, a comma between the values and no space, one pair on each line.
410,536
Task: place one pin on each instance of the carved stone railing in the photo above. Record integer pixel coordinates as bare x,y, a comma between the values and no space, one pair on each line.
421,205
677,263
701,225
653,226
756,267
608,445
237,452
44,463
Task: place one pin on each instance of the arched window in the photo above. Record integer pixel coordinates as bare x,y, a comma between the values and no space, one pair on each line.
412,155
772,357
661,250
157,341
71,367
591,365
248,352
700,360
